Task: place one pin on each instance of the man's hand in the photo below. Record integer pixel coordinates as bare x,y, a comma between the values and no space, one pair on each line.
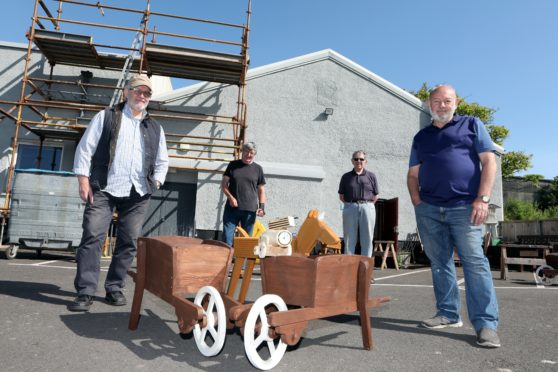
260,212
233,202
85,192
480,212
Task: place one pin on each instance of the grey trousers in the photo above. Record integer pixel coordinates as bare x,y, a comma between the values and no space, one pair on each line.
358,222
96,221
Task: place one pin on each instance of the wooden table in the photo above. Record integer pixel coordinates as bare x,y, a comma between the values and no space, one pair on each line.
385,249
505,260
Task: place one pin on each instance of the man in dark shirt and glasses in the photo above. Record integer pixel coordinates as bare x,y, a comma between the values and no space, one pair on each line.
358,190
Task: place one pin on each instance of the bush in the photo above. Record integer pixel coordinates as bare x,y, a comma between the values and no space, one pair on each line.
522,210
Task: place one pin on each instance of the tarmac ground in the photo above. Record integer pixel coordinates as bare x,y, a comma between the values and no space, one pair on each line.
38,333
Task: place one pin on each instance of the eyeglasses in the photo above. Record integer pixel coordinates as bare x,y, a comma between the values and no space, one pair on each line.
139,92
359,159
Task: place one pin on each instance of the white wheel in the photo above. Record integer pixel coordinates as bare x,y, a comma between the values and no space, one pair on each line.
541,278
258,340
11,252
216,328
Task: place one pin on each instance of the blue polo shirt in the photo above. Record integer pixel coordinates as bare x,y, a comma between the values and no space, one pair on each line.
449,173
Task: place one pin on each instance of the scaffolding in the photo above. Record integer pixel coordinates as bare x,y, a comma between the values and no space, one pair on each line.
59,107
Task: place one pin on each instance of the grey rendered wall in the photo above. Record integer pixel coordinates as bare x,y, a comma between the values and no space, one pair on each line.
286,120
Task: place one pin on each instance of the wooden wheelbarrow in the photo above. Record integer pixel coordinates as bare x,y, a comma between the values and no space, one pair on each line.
174,267
298,289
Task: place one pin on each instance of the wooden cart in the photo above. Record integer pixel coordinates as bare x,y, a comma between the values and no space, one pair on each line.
547,273
298,289
174,267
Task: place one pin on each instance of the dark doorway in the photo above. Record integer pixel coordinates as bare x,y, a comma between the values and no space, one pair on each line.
171,211
387,220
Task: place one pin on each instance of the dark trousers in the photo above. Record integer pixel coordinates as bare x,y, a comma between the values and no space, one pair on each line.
96,221
231,218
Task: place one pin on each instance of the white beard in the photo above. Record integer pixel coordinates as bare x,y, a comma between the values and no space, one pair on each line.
442,118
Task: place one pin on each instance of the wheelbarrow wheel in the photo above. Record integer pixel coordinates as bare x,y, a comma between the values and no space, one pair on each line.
215,327
541,277
256,334
11,252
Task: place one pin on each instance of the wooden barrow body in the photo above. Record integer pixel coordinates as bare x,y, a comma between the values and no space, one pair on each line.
320,287
173,267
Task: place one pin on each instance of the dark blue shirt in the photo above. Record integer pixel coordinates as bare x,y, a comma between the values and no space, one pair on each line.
358,187
449,173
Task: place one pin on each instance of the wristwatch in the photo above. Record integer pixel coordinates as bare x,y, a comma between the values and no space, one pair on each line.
485,198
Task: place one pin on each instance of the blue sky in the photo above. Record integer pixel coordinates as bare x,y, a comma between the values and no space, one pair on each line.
499,53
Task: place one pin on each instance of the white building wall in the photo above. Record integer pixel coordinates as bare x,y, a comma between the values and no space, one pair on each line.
303,151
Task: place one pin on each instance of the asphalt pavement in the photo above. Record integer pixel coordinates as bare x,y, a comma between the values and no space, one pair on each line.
38,333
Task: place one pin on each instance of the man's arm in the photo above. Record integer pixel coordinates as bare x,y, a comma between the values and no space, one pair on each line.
413,184
162,160
84,153
261,200
225,187
488,175
85,192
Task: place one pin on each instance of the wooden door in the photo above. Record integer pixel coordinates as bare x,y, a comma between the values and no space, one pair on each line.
387,220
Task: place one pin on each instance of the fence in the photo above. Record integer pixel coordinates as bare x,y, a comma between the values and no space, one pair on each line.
510,230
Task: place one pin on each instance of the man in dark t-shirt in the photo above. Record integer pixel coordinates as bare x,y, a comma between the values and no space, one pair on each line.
244,186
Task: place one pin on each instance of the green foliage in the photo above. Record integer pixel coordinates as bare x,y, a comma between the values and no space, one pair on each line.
486,114
515,161
498,133
534,179
547,197
522,210
423,93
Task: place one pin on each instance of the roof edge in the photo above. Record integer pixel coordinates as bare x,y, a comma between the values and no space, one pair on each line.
325,54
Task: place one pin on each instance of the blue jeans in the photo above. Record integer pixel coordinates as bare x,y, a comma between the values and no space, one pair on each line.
359,221
441,230
231,218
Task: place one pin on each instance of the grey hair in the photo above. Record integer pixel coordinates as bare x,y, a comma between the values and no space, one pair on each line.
359,152
435,88
250,146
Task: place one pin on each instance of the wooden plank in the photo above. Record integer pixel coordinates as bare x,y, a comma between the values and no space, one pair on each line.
525,261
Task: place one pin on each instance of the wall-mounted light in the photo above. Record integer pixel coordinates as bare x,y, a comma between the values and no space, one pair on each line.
328,111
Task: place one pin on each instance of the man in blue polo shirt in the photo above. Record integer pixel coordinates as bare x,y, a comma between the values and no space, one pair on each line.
451,173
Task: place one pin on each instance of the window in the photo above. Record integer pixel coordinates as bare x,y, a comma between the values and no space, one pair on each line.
28,157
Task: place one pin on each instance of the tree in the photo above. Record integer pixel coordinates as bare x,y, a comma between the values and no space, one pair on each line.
547,197
512,161
535,179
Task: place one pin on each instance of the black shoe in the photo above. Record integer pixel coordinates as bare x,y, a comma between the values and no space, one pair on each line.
115,298
81,303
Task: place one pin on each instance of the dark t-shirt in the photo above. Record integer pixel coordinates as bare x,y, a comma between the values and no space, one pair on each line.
356,187
244,182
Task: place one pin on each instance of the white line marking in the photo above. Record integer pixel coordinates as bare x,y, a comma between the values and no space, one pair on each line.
539,284
404,274
43,263
403,285
461,281
52,266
